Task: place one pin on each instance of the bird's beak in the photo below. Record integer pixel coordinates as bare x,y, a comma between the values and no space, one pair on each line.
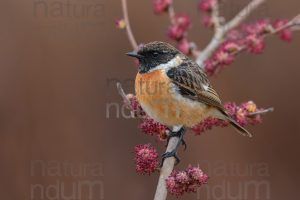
134,54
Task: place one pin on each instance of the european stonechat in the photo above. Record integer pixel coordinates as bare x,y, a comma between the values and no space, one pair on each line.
175,91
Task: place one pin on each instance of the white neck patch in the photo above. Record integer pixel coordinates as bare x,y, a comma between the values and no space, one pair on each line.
175,62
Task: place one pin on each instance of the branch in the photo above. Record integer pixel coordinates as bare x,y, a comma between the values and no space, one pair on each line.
125,98
171,12
166,170
128,28
216,16
221,31
242,15
168,164
293,25
123,95
264,111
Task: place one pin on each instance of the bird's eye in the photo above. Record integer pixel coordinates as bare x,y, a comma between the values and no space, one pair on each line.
155,54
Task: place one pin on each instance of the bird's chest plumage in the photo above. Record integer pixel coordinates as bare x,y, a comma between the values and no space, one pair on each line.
160,99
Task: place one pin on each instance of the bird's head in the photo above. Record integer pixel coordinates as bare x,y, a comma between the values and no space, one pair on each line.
153,55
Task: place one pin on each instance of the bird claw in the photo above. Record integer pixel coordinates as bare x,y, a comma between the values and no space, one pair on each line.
173,153
177,134
184,144
169,155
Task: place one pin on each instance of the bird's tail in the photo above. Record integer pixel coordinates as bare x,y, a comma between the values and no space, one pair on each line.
235,125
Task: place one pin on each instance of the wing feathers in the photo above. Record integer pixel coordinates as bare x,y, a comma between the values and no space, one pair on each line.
193,83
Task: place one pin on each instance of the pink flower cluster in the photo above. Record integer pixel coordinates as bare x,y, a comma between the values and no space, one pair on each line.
207,5
180,25
151,127
135,106
242,114
161,6
178,32
188,180
248,37
146,159
286,34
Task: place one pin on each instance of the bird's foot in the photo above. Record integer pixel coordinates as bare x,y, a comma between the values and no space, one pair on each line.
178,134
169,155
173,153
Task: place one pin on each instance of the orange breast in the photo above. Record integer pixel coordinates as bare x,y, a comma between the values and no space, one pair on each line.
158,97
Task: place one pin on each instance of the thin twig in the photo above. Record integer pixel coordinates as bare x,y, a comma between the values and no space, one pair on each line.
128,28
171,12
242,15
122,94
216,16
221,31
125,99
264,111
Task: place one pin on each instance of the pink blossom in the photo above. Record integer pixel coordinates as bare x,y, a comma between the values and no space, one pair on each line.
207,21
197,174
223,57
235,35
175,32
208,124
182,177
183,21
242,114
230,46
146,159
263,26
184,46
211,67
259,27
120,24
135,106
255,44
179,28
207,5
161,6
285,34
188,180
150,127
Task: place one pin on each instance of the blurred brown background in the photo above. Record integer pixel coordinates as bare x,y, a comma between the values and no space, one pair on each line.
55,72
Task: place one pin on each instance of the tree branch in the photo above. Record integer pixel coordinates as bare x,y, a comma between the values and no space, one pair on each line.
293,24
216,16
242,15
123,95
221,31
166,170
168,164
128,28
260,112
171,12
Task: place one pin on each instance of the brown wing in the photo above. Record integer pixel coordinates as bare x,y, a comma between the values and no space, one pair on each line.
194,84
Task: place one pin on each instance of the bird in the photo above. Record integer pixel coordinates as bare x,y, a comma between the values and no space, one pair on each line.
175,91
